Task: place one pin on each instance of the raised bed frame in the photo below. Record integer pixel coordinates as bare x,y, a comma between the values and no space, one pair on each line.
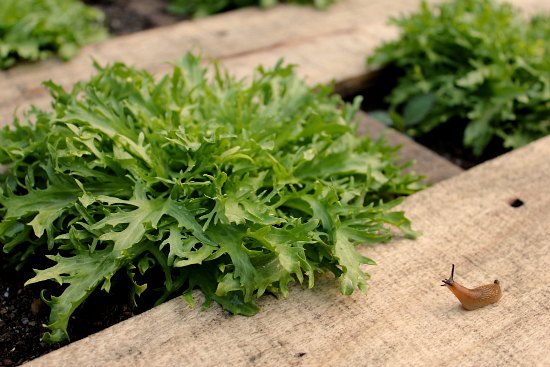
407,319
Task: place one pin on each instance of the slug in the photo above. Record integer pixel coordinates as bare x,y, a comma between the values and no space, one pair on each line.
474,298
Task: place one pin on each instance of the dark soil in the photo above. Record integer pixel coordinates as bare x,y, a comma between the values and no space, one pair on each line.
23,315
128,16
447,142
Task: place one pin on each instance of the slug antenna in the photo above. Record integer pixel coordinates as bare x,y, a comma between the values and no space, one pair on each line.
449,281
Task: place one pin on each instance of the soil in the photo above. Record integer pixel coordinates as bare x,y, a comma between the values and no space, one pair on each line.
447,142
23,314
128,16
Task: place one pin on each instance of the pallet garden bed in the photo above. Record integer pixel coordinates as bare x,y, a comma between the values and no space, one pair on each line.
467,217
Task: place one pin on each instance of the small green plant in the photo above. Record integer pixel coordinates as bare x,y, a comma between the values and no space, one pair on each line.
236,188
35,29
200,8
477,61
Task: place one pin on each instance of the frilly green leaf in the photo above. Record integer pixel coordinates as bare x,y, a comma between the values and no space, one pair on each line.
234,187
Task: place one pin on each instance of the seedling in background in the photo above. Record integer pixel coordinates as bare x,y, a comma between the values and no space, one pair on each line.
32,30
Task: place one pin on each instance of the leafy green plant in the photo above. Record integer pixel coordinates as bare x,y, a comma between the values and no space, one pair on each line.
477,61
35,29
200,8
236,188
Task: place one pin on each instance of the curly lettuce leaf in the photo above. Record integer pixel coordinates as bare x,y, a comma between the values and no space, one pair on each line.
236,188
477,63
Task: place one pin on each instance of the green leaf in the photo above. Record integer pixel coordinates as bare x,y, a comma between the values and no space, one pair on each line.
47,204
201,8
350,261
234,187
382,116
83,273
459,58
417,108
35,29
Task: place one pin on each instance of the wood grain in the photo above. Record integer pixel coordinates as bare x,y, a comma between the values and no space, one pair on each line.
407,319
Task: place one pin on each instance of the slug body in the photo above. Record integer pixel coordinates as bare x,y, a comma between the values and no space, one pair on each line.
474,298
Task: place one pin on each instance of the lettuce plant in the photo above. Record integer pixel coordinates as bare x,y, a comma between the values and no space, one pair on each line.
474,61
35,29
236,188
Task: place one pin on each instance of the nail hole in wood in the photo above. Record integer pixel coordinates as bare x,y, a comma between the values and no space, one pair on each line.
516,203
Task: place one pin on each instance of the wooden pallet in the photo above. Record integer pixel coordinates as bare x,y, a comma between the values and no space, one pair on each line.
407,318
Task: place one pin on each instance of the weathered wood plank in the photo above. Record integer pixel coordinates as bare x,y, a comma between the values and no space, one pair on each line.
327,45
406,319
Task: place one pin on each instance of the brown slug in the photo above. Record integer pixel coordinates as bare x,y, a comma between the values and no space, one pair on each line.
474,298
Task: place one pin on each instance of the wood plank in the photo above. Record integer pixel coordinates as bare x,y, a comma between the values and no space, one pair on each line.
326,44
406,319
